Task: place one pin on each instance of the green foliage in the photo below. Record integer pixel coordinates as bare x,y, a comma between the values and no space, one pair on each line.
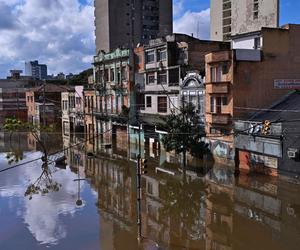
81,78
184,133
15,156
13,126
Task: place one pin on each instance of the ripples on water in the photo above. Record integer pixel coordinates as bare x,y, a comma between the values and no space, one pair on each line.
179,211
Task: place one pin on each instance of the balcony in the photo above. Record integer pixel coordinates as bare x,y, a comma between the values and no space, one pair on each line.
222,119
217,88
221,56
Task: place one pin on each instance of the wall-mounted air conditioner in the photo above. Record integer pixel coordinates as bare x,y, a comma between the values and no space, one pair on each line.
292,153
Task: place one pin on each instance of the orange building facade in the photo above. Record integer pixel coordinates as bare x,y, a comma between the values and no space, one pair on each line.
240,82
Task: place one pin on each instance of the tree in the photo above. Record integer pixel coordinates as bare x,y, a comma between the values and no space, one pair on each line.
185,133
13,125
44,183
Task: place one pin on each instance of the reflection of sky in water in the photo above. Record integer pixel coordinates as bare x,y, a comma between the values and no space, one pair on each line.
43,214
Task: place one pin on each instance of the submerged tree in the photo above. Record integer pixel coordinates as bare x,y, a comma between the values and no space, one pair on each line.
185,133
44,183
13,126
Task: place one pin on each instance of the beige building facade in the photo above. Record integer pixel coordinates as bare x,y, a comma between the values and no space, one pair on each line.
232,17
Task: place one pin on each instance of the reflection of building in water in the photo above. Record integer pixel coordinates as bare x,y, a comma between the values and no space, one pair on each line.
174,212
116,200
68,112
268,208
52,141
251,213
74,151
256,209
15,142
219,211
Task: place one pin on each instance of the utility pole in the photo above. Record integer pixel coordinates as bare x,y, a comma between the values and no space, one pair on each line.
139,159
18,108
44,103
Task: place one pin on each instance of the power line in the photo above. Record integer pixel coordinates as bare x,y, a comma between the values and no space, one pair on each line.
269,110
59,151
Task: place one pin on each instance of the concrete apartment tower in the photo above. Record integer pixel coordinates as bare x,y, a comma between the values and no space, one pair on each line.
232,17
113,20
36,70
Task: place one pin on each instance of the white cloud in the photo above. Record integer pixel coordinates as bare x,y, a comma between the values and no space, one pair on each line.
42,214
196,23
59,33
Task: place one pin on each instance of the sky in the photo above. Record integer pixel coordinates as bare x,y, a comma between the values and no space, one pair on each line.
60,33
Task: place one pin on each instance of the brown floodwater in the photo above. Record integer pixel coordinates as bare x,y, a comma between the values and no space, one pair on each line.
91,203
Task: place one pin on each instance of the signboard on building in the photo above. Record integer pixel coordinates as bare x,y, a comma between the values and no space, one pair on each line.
287,84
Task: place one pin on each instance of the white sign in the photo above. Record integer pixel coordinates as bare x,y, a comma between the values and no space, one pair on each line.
287,84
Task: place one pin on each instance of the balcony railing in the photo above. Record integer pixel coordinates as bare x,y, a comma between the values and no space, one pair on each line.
217,87
218,118
221,56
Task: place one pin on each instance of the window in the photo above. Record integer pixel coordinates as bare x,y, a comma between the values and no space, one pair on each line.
106,75
162,77
173,102
161,55
255,9
118,75
162,105
124,72
66,128
255,15
225,68
112,75
225,100
216,73
257,43
151,78
219,105
216,104
150,57
149,188
219,131
148,101
174,77
212,104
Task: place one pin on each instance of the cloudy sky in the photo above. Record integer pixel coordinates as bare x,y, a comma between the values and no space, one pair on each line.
60,33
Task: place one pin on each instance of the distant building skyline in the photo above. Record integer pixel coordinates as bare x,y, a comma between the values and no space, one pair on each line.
36,70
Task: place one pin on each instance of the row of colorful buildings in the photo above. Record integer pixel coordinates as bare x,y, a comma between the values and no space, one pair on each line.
234,86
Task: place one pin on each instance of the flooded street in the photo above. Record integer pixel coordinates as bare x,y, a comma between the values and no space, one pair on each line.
93,202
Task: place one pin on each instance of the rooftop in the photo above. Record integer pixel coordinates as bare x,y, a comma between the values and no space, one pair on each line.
52,88
285,109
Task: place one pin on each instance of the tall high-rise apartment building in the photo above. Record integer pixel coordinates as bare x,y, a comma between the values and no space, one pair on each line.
232,17
119,22
36,70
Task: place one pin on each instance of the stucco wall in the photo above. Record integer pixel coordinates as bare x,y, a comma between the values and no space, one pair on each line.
242,15
216,24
